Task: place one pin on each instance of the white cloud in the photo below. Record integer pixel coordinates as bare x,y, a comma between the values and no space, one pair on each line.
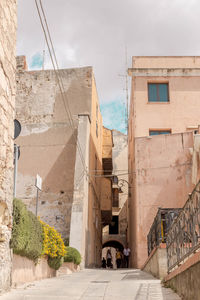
93,32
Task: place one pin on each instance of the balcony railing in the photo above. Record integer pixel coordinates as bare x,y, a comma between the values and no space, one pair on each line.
160,227
183,238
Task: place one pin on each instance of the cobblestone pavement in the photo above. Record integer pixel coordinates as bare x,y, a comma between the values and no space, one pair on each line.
95,284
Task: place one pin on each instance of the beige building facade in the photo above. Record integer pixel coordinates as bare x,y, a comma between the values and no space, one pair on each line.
180,77
164,117
8,23
61,140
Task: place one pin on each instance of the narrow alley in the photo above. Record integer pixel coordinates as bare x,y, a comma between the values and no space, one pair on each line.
95,284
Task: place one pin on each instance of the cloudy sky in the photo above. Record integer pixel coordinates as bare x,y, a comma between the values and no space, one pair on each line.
96,33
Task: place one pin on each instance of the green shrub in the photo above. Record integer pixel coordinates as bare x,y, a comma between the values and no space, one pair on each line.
27,232
72,255
55,262
33,238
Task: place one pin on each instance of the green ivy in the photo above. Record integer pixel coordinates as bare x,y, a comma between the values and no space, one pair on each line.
72,255
27,232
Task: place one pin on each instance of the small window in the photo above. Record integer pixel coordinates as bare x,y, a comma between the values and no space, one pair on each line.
97,111
157,132
97,133
158,92
114,225
95,167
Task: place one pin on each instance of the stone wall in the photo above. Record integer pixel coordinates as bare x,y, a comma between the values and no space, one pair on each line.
48,144
7,103
48,141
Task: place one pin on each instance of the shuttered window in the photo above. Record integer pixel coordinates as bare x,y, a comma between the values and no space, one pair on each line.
158,92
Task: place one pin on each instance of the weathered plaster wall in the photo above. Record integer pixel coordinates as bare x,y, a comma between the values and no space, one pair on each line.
25,270
106,194
162,178
8,24
187,283
79,213
70,195
47,141
180,113
185,277
107,144
94,234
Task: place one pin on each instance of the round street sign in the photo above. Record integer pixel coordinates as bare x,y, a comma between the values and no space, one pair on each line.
17,128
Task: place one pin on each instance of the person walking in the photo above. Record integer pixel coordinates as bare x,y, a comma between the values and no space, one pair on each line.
109,258
118,258
126,253
103,263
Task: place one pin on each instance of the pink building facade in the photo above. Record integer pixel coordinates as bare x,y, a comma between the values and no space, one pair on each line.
164,116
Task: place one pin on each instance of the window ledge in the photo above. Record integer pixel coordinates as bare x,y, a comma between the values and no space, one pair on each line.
158,102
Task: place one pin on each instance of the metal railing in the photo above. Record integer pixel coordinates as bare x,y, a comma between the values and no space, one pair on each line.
160,227
183,237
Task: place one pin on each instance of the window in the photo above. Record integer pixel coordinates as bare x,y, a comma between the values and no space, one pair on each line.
96,129
97,111
95,167
158,92
115,201
114,225
157,132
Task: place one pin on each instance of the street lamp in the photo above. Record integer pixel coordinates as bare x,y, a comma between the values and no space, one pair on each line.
121,184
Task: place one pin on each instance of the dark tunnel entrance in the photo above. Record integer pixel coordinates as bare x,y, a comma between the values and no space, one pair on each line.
114,244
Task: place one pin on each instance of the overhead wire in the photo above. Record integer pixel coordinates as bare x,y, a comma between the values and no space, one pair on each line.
61,86
59,79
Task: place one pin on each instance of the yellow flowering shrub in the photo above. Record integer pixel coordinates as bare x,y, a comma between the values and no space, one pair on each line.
53,245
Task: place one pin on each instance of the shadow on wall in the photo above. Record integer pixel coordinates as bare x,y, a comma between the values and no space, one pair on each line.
55,199
61,176
93,235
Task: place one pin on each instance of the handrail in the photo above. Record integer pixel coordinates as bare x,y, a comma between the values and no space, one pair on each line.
183,237
161,224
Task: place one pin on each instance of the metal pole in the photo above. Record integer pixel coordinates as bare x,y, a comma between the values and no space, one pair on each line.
16,150
37,202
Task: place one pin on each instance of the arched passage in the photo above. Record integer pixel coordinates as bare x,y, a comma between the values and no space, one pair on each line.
114,244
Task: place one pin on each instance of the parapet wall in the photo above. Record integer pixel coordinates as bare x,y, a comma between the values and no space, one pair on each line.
25,270
156,264
185,280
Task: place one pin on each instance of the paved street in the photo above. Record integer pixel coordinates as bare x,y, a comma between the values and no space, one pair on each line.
96,284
